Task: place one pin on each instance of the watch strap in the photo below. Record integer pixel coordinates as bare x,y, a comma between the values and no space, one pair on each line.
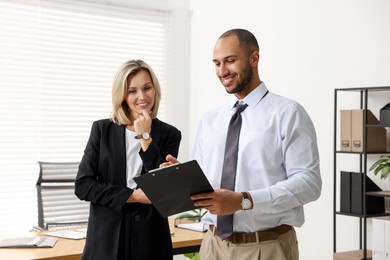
141,136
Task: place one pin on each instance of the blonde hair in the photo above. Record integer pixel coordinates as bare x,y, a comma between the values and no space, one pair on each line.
120,110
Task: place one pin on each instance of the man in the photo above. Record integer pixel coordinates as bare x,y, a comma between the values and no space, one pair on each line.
276,167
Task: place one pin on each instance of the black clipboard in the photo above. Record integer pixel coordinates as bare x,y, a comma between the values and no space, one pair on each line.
170,188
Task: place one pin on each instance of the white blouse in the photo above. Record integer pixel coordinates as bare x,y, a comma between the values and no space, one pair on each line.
133,160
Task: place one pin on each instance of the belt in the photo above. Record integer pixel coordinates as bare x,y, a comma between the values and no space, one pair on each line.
259,236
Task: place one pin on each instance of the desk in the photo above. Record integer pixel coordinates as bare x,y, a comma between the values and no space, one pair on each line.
183,241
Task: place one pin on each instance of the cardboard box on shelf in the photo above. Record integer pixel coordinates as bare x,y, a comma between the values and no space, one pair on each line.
352,129
374,205
345,192
351,194
384,115
376,136
345,130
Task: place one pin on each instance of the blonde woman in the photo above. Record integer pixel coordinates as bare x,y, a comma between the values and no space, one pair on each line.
123,224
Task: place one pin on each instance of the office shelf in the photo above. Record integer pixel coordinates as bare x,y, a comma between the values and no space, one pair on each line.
362,215
384,152
362,252
357,254
385,193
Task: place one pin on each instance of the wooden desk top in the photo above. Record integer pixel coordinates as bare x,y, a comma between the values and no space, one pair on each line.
183,237
68,249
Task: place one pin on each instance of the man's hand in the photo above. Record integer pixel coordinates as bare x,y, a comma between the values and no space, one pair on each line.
170,161
219,202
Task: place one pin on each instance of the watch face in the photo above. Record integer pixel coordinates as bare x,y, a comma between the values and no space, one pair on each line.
145,135
246,204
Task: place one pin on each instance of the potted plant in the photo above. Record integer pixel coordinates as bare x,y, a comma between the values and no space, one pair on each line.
382,166
193,216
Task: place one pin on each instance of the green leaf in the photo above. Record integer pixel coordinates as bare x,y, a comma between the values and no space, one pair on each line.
385,172
185,215
378,169
193,256
375,165
382,165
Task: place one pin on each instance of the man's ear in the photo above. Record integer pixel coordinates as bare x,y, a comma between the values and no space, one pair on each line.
254,59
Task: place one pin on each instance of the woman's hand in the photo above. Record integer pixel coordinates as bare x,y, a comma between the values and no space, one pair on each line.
138,196
170,161
143,123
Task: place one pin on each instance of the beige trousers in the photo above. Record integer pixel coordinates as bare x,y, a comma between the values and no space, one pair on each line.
285,247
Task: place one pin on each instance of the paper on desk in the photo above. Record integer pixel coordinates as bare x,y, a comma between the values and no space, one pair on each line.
28,242
71,234
196,226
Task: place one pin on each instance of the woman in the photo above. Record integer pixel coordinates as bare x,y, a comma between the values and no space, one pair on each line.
122,223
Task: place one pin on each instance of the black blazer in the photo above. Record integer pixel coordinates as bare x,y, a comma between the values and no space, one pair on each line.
101,179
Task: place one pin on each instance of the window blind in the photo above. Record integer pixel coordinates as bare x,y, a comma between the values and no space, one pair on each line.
57,63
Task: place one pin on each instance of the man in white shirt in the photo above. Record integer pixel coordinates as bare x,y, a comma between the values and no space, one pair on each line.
277,168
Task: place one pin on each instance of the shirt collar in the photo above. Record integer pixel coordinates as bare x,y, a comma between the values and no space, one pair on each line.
253,98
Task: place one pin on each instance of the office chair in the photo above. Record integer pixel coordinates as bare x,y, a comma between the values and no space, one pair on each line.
58,206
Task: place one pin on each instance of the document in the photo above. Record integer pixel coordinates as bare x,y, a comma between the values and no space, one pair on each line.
70,234
28,242
196,226
170,188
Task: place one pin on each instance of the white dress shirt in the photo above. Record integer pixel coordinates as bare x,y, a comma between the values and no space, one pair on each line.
278,161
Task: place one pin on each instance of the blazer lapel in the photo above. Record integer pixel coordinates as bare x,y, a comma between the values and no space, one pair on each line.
118,137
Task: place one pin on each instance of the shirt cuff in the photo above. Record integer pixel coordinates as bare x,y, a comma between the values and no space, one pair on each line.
261,200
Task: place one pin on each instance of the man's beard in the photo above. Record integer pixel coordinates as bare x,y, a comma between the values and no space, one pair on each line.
247,77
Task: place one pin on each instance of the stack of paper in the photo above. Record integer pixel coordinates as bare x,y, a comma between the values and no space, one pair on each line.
196,226
71,234
28,242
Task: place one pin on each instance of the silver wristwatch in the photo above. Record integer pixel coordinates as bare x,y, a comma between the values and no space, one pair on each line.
246,203
144,136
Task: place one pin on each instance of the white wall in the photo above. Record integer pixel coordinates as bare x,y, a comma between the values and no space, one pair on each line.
307,49
178,94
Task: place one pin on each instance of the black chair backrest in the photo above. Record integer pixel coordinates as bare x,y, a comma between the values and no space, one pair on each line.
58,206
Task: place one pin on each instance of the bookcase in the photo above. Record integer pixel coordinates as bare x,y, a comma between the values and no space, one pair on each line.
369,133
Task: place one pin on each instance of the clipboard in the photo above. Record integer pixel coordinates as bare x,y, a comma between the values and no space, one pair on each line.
170,188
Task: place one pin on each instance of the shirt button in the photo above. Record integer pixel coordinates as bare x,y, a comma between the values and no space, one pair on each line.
137,218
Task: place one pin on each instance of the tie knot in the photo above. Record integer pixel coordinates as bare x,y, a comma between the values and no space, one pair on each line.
240,107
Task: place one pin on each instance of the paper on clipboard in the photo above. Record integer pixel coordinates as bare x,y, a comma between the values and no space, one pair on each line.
170,188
